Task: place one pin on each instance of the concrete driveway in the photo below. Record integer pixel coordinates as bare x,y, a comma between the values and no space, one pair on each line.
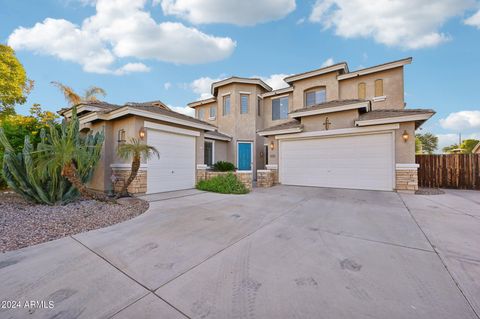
283,252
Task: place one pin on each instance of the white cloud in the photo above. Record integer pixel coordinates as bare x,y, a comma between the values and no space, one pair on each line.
131,68
243,13
202,87
275,80
474,20
167,85
406,24
327,62
113,33
461,121
183,110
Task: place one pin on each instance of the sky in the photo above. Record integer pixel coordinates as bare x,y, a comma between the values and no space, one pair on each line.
172,50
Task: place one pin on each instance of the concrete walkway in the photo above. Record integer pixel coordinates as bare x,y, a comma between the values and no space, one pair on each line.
284,252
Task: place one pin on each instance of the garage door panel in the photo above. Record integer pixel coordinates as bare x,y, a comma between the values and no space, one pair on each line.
175,169
362,162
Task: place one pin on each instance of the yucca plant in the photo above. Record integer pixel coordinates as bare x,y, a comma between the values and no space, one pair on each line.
135,150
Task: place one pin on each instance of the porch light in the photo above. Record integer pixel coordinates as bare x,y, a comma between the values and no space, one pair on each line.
405,136
272,145
141,133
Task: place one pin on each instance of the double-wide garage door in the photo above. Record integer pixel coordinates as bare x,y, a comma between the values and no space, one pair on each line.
175,169
359,162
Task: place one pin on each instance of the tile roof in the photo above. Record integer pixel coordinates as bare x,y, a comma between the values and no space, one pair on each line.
283,126
328,104
381,114
217,134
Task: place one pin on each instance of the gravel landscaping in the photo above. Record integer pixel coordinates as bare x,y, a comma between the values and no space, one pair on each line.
24,224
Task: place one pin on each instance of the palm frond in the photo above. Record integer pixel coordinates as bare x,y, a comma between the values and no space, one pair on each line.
70,95
92,92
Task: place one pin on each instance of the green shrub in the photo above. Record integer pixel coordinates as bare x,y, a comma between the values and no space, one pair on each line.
222,166
224,184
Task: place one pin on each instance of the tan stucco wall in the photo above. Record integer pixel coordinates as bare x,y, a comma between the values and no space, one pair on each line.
266,110
101,177
405,151
328,80
206,110
392,88
338,120
220,153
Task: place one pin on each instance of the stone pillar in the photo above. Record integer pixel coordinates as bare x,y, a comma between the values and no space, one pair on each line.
265,178
201,172
246,177
138,185
274,169
406,177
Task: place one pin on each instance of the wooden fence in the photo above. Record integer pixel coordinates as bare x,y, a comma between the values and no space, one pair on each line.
460,171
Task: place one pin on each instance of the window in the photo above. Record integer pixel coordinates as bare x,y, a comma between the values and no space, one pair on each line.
379,87
258,106
243,103
280,108
226,105
315,96
362,90
201,114
208,153
213,112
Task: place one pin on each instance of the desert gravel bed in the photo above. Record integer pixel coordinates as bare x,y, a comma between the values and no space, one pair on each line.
23,224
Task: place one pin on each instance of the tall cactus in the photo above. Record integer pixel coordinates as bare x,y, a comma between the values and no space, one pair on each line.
26,176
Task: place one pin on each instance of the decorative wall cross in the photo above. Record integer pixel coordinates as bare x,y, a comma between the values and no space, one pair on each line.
327,123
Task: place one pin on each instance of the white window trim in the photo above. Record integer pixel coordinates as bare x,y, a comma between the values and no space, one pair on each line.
246,93
251,156
309,112
213,150
279,96
343,131
379,98
225,94
170,129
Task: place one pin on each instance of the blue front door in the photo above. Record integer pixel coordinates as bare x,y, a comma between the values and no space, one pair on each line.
244,156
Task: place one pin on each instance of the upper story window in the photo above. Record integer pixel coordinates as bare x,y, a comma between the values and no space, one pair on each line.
258,106
315,96
213,112
226,105
243,103
280,108
379,87
362,90
201,114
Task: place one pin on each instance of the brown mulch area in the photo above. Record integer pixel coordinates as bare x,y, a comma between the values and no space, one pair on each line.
429,191
25,224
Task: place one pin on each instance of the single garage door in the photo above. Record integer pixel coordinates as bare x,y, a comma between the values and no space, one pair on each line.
175,169
359,162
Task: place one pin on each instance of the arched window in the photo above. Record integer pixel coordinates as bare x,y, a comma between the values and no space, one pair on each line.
362,90
379,87
315,96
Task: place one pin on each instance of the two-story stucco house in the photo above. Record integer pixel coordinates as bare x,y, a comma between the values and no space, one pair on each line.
329,128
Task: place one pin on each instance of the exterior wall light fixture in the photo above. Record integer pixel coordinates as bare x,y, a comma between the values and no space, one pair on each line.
405,136
141,133
272,145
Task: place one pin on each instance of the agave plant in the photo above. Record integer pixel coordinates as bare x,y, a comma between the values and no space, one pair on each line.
56,171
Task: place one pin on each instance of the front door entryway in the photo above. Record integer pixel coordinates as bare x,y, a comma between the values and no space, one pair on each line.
244,156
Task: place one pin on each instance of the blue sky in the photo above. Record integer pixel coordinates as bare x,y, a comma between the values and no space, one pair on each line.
171,50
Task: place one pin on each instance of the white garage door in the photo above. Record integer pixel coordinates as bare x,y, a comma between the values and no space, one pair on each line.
175,169
360,162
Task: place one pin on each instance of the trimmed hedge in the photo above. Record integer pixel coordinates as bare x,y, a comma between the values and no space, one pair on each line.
224,184
222,166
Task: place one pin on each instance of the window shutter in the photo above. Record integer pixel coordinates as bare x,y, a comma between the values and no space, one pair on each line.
379,87
362,91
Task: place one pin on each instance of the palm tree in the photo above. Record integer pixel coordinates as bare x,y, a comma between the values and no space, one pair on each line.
74,98
135,150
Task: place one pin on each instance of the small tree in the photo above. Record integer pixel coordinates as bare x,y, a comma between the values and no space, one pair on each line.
73,98
468,145
136,151
14,84
429,142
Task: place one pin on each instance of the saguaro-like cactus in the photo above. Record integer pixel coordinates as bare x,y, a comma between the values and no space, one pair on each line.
26,176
